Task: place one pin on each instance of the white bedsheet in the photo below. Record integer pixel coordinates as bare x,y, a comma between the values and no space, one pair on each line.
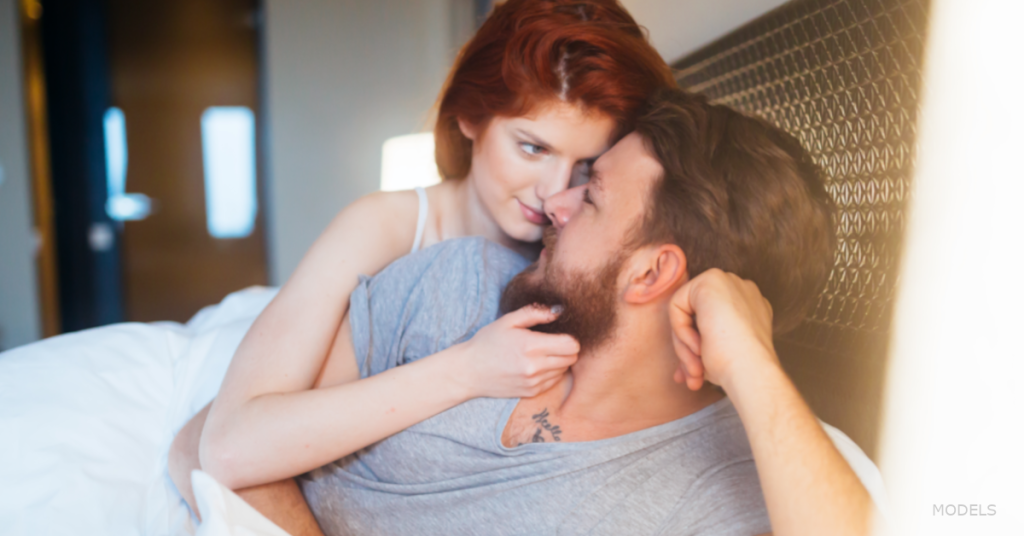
87,419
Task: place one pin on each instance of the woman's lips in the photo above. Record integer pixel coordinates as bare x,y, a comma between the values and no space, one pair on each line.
533,216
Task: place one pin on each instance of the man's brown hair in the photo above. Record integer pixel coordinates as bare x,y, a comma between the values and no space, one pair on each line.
740,195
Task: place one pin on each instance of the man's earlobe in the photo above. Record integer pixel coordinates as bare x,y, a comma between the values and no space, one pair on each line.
468,129
664,272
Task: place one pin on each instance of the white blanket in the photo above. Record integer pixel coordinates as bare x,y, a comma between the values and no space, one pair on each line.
87,419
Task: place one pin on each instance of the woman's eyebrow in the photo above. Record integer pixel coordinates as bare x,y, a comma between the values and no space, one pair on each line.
533,138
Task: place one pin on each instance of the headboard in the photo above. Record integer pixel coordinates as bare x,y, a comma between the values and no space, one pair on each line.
843,77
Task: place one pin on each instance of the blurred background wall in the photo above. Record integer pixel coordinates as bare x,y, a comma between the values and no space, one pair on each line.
342,76
678,27
19,304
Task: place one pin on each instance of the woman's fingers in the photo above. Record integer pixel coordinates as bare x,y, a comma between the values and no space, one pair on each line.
549,380
532,315
554,344
558,363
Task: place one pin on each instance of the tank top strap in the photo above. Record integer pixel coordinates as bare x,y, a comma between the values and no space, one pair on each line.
421,220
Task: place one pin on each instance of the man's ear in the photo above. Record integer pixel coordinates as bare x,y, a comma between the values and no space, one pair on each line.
468,129
659,271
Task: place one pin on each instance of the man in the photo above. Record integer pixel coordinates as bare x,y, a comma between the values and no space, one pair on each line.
660,263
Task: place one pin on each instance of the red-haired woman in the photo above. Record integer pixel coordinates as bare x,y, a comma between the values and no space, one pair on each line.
541,90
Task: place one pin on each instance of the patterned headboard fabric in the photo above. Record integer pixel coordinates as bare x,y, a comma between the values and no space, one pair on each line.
843,77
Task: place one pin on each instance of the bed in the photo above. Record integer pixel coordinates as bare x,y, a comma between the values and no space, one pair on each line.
87,418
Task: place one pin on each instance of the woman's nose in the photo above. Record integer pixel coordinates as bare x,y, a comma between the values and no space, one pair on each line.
556,182
561,207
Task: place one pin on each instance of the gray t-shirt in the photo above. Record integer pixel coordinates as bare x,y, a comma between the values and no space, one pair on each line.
450,474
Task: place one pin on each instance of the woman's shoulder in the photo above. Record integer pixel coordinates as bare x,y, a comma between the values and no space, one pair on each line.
370,232
393,213
402,202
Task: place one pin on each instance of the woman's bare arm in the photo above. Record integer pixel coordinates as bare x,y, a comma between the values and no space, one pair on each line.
295,337
183,457
268,423
281,502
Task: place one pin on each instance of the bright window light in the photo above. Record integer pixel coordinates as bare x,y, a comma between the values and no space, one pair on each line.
229,164
408,162
120,206
116,143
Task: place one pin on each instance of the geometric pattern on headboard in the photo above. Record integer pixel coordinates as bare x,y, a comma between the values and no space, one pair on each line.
843,77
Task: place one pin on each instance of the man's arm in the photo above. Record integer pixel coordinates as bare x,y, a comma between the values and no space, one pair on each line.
281,502
723,333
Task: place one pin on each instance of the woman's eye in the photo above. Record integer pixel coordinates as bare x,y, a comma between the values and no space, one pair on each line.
586,196
532,149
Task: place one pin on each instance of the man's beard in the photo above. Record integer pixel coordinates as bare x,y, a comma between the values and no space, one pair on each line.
588,299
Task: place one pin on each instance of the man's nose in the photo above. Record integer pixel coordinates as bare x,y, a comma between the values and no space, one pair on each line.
562,206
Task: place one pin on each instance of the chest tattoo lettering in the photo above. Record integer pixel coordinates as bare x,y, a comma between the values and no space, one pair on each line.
543,424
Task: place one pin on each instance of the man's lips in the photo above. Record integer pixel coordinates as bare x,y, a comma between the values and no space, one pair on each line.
533,216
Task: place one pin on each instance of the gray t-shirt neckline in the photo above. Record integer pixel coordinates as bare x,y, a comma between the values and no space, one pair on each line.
668,429
450,474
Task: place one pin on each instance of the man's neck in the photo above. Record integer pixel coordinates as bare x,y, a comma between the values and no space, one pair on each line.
626,384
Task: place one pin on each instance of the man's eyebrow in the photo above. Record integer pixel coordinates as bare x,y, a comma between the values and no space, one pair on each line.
533,138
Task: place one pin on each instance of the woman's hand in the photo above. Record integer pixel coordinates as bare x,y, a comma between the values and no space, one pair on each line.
507,360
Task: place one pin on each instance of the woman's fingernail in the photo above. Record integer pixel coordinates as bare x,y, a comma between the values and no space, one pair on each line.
557,309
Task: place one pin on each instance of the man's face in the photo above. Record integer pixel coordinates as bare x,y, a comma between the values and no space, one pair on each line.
585,249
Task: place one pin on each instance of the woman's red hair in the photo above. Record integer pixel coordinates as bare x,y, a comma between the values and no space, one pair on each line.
586,52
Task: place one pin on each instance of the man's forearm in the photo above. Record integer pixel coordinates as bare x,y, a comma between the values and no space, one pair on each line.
283,503
808,486
183,457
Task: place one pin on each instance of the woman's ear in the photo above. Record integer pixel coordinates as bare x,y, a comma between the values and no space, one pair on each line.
660,272
468,129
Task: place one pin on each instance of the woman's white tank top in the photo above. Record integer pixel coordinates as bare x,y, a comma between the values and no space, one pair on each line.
421,220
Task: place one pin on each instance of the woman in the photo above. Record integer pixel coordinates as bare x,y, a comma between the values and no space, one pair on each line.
541,90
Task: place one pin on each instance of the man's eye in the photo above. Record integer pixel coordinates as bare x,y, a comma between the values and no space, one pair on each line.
532,149
586,196
580,174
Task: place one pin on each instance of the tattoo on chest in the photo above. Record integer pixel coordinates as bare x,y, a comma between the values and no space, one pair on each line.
543,424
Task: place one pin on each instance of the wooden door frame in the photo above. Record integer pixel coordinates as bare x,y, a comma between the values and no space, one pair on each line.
30,12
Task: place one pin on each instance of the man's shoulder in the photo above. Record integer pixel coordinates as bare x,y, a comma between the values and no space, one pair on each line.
723,491
455,261
429,300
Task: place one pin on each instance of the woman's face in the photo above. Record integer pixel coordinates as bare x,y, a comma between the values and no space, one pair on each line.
518,162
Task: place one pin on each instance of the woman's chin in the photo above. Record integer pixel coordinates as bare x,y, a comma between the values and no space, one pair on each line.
524,231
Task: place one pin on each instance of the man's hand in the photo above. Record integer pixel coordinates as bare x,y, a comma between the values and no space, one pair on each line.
722,332
719,323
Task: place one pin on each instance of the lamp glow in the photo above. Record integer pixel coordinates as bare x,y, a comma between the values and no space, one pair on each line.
408,162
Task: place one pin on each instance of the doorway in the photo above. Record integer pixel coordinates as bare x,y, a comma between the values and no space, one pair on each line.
176,68
164,96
